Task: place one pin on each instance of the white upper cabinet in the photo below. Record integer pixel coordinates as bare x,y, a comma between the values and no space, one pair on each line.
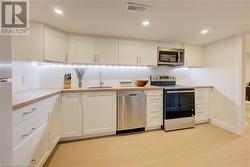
107,51
55,45
137,53
29,47
44,43
82,49
148,54
91,50
128,53
193,56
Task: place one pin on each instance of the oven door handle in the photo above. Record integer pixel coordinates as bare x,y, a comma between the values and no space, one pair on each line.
182,91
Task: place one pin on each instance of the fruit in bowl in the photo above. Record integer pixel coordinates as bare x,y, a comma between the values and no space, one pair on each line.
141,83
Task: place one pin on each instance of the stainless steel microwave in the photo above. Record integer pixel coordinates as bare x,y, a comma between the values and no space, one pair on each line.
173,57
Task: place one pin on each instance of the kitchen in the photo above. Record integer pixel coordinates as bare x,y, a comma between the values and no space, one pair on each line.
136,89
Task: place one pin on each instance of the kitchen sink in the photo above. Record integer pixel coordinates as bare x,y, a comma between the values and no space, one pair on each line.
96,87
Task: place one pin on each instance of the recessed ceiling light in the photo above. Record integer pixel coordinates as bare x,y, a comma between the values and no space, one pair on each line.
58,11
145,23
205,31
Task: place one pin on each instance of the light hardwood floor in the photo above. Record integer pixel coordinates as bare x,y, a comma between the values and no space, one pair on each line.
204,146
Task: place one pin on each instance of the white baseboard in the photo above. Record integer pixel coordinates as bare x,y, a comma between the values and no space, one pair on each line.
88,136
224,125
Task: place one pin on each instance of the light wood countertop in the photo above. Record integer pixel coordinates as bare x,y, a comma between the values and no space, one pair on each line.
23,98
110,89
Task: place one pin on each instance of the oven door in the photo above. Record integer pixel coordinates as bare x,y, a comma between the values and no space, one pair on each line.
179,104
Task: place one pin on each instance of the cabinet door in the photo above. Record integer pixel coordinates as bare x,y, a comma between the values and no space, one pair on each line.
29,47
55,45
71,115
107,51
128,52
82,50
54,125
147,54
193,56
99,113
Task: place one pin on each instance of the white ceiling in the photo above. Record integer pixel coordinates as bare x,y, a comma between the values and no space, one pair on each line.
177,21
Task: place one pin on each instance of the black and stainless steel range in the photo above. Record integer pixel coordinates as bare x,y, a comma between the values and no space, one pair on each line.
178,104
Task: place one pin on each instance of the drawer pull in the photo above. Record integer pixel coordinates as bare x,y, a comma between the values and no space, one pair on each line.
27,134
29,112
33,161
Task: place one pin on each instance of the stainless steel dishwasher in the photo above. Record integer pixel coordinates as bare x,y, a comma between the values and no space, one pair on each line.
132,107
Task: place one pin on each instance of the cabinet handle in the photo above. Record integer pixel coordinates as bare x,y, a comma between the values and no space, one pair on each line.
27,134
29,112
33,161
66,57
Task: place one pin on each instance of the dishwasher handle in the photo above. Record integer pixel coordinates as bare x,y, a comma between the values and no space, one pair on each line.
131,93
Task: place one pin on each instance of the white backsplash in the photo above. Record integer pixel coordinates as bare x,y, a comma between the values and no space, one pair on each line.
48,76
25,76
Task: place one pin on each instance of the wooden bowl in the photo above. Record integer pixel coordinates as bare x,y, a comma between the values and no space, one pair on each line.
141,83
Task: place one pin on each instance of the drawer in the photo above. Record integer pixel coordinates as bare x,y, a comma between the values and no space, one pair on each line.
202,90
156,99
154,119
201,99
155,109
26,112
155,92
23,155
155,115
26,129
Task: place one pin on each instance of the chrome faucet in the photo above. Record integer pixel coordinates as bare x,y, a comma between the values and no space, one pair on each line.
101,79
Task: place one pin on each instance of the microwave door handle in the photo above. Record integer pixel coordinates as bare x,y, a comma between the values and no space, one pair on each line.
179,57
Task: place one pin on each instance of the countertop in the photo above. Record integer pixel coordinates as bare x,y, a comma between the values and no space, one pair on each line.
111,89
27,97
23,98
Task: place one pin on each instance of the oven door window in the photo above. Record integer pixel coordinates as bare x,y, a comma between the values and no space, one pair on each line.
171,105
187,105
179,105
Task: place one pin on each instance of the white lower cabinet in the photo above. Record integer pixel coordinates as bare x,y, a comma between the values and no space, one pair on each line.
31,143
71,115
26,154
154,109
99,113
54,125
201,105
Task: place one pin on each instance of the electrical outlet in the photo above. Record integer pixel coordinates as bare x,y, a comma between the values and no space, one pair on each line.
23,79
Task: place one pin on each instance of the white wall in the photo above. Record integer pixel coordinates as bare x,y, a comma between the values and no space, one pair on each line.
31,76
25,76
248,68
247,60
223,61
52,77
